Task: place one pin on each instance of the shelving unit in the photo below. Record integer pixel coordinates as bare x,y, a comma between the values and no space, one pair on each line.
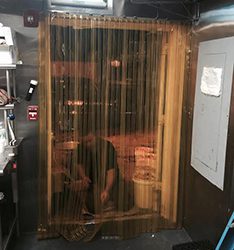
10,75
10,152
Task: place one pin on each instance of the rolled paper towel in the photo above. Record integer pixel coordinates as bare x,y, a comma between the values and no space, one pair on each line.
3,97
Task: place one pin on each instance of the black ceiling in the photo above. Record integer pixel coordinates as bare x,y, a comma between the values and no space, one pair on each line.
170,9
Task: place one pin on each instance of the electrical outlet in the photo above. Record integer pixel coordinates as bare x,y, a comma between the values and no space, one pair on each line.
31,18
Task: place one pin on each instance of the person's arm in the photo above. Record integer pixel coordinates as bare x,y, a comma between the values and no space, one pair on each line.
85,179
110,179
80,170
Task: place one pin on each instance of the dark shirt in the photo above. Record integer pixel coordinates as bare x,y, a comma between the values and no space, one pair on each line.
97,159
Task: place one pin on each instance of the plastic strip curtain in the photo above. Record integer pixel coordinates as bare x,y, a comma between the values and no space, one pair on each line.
102,126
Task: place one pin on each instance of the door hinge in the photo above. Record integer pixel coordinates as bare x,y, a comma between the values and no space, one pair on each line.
189,112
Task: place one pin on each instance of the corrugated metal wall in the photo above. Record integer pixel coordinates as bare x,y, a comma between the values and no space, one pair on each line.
27,168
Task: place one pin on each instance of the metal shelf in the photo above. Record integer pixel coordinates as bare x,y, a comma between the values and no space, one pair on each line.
11,151
3,166
7,107
7,66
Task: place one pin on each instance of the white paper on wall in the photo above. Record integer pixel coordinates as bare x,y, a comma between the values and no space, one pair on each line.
211,81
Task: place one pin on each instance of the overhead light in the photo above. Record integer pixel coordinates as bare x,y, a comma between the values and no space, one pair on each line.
75,103
115,63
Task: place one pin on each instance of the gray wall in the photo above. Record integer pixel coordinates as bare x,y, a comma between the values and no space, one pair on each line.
28,165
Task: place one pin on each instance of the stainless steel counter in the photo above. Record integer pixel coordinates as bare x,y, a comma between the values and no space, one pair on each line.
10,152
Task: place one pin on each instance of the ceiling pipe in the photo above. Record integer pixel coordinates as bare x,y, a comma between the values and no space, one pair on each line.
223,14
216,23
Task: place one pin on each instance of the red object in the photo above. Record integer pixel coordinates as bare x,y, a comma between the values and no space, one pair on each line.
14,166
31,18
32,113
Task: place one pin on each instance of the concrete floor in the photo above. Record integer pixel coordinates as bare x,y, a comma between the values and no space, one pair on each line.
163,240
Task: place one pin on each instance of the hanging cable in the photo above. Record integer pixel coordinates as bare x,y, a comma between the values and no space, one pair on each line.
169,11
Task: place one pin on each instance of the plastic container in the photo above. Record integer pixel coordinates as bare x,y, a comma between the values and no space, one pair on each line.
143,193
145,156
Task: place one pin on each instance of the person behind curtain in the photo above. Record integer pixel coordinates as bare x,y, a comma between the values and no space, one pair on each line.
97,168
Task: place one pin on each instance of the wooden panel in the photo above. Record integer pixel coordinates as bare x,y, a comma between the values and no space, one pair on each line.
172,128
43,160
160,109
124,24
49,115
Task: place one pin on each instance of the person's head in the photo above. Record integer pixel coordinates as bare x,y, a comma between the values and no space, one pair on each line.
88,135
88,139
